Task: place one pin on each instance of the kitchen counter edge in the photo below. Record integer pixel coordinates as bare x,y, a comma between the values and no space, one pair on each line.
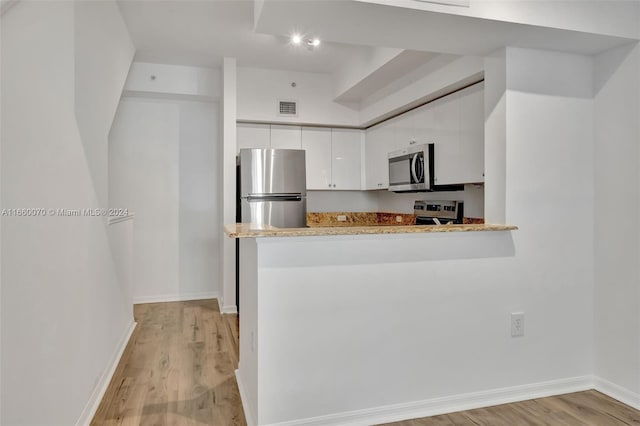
246,230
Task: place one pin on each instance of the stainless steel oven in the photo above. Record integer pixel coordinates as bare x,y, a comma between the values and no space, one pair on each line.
410,169
429,212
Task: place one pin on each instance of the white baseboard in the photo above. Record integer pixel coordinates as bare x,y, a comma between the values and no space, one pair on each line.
229,309
248,415
436,406
182,297
101,387
617,392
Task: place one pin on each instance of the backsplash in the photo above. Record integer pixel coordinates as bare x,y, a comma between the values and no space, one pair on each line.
358,219
385,201
342,201
472,196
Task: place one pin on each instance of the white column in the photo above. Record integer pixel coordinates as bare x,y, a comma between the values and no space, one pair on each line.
228,296
495,131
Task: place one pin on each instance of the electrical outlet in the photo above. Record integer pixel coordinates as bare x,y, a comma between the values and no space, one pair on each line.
342,218
398,219
517,324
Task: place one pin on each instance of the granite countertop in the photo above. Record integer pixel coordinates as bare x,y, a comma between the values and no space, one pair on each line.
247,230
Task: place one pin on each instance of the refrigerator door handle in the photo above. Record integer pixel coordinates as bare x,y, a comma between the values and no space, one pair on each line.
274,197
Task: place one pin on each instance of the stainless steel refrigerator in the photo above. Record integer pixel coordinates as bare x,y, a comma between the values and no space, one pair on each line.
273,187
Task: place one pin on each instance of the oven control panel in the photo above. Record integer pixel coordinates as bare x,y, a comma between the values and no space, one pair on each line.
451,210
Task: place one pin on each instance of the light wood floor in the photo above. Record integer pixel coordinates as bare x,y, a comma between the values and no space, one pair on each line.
178,369
581,408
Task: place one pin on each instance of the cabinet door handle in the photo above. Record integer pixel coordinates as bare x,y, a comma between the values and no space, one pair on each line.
334,185
329,185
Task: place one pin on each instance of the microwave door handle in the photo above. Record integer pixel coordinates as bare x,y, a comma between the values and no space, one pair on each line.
414,162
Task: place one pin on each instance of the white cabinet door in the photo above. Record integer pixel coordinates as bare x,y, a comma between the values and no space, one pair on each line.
376,148
446,136
252,136
316,142
459,150
346,150
285,137
404,131
424,124
454,124
471,156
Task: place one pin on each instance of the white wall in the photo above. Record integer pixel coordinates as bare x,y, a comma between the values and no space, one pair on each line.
440,76
164,159
495,135
549,162
342,201
360,66
96,101
617,248
199,226
472,196
174,80
64,312
259,90
541,269
228,180
322,356
617,18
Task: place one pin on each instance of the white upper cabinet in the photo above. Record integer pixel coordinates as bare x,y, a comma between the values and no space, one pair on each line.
425,124
459,150
253,136
333,158
378,144
472,133
286,137
402,129
454,123
268,136
346,153
316,141
446,137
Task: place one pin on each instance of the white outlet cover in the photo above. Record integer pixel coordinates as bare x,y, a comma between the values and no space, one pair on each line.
517,324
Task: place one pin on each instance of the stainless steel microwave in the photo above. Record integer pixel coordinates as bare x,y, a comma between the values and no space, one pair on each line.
411,169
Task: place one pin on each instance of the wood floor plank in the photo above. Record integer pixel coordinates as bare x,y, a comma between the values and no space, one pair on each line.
586,413
545,416
589,408
178,370
605,404
453,419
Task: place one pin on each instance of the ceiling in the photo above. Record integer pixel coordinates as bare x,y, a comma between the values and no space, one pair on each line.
353,34
201,33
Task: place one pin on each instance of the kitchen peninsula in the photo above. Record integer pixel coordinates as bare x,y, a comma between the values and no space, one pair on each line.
343,325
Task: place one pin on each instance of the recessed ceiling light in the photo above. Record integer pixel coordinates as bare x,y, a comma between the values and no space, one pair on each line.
296,39
315,42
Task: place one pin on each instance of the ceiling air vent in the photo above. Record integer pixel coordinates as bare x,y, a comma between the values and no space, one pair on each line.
288,108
